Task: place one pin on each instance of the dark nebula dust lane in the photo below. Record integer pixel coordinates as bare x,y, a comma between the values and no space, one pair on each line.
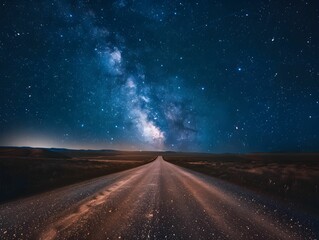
156,201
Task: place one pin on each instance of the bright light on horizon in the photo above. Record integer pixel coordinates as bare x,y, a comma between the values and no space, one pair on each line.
39,140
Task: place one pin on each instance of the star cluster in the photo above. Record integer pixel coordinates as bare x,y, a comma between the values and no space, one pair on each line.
212,76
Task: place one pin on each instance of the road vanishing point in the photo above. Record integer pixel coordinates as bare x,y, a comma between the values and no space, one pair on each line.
158,200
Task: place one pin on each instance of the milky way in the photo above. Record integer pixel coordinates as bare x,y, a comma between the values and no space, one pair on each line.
213,76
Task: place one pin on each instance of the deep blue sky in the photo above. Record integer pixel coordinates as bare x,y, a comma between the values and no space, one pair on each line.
212,76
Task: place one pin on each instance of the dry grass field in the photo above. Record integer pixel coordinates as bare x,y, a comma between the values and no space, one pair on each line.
26,171
293,178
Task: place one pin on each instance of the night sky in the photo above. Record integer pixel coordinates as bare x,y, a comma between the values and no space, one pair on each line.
211,76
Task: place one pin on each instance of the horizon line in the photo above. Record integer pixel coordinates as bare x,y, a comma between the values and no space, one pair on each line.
174,151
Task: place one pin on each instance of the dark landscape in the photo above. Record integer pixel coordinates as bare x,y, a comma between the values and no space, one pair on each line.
292,177
106,194
25,171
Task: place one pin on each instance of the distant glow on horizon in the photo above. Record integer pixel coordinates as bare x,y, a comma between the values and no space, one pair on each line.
37,140
32,139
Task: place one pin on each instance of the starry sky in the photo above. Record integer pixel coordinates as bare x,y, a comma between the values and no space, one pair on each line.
209,76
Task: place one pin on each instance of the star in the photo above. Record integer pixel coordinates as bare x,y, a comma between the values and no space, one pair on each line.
161,76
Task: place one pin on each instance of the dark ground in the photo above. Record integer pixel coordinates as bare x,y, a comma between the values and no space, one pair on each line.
293,178
158,200
27,171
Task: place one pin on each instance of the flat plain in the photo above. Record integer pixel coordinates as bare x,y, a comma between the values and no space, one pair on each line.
158,195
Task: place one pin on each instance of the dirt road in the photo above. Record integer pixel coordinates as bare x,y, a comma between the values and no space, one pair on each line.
155,201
